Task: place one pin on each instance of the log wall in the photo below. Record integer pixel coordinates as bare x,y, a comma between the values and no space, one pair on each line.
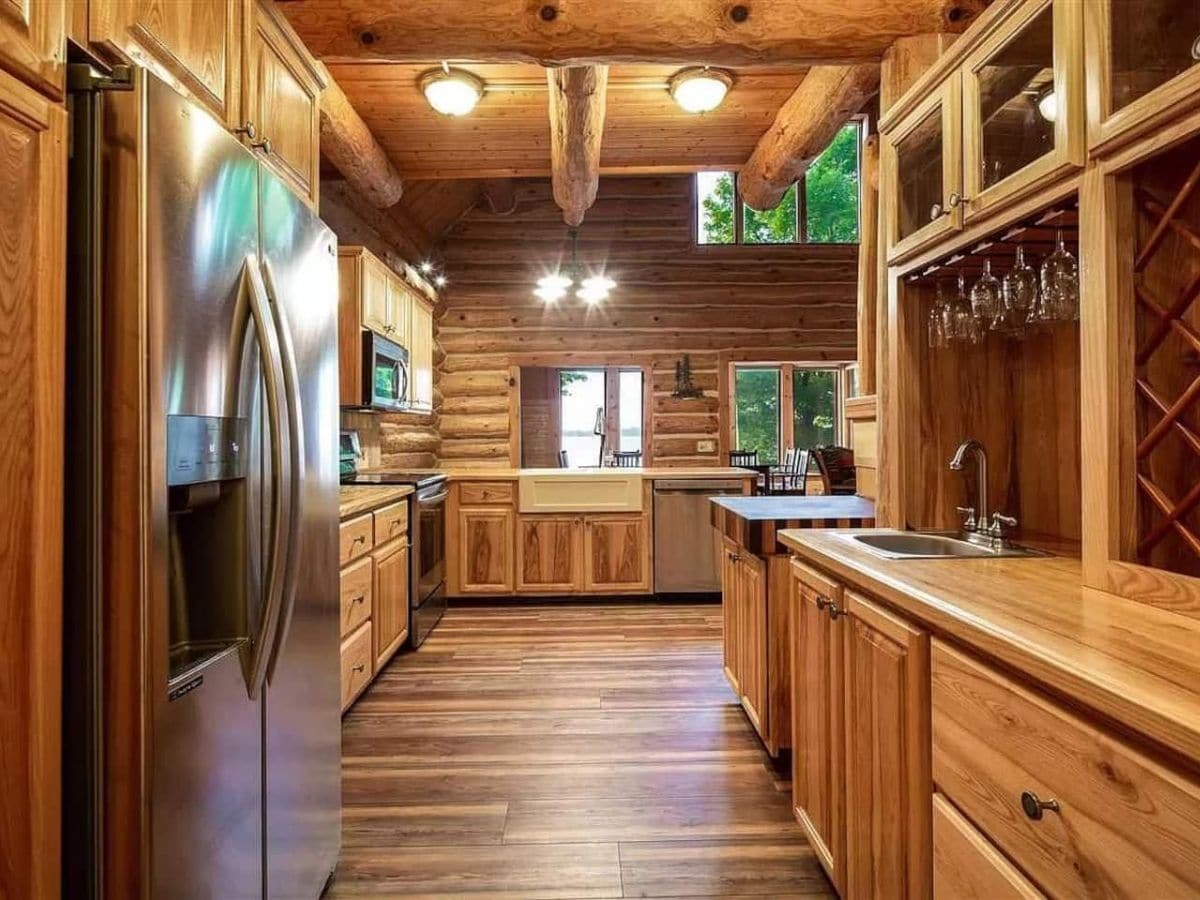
796,302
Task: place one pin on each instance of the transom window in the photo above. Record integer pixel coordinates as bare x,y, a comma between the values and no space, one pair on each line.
822,207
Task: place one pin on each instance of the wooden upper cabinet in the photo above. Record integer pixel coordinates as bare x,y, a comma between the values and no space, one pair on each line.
420,349
616,554
922,162
32,42
399,314
887,754
1022,95
33,167
549,554
818,715
486,550
195,45
375,279
1142,67
282,89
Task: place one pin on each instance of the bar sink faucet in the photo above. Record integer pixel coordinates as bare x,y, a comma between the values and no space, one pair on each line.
975,522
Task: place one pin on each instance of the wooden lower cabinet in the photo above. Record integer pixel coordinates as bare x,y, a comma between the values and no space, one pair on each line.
616,554
389,615
357,670
965,864
888,785
486,537
549,554
818,732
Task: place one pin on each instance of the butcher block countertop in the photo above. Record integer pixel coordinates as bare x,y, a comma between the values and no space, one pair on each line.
498,474
755,523
1134,663
354,499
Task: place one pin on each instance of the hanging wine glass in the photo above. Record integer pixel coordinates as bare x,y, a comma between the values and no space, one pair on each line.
985,298
967,327
1060,283
1020,284
940,324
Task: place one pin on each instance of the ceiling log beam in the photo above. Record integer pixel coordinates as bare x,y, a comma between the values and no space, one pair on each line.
577,103
804,126
348,143
561,33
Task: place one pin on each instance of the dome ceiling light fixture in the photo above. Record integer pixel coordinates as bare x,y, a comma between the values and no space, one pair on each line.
700,89
451,92
593,289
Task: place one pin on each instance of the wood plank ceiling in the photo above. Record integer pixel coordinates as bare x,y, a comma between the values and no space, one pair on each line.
508,134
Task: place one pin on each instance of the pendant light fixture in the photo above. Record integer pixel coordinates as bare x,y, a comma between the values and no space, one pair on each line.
593,289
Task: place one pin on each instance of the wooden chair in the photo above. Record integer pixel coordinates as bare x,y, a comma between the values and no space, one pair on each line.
562,459
795,479
779,473
627,459
836,465
743,458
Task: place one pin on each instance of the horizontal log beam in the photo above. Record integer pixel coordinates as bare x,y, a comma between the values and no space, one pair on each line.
558,33
577,103
825,100
348,143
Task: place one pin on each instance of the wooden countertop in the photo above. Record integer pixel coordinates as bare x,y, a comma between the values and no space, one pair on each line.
502,474
1131,662
797,508
354,499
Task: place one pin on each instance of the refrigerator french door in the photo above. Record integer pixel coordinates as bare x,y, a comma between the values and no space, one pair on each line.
236,386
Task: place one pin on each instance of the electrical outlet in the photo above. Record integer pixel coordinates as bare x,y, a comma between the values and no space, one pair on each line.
706,446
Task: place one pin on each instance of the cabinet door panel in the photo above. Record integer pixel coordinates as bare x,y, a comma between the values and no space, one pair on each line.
373,281
283,93
616,557
753,676
887,754
729,616
548,554
818,736
32,42
196,44
421,355
390,615
399,313
486,562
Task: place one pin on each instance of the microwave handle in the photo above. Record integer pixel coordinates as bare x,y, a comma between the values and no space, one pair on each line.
402,371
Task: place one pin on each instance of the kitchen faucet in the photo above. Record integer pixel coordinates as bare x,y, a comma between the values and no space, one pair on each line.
975,523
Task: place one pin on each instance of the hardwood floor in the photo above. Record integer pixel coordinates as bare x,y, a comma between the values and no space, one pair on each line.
565,751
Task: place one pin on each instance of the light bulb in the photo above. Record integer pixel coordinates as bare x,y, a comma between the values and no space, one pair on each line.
451,92
599,283
440,281
555,281
591,296
1047,105
426,267
700,90
549,293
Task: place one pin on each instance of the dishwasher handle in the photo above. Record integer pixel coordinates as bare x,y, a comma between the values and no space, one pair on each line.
692,486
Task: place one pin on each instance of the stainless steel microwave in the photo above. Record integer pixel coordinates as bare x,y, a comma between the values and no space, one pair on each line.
385,373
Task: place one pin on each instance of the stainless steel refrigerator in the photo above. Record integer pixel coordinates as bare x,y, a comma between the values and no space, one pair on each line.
224,285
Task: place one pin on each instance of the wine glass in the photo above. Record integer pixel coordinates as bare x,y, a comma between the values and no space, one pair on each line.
1020,284
966,326
1060,283
940,324
985,298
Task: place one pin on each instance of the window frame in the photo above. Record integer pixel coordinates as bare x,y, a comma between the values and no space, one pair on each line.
739,218
786,423
611,377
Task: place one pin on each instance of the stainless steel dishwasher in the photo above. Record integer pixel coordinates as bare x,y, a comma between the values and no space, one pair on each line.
686,546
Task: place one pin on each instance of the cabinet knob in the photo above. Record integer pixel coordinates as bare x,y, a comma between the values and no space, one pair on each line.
264,145
1035,807
360,667
248,130
835,611
955,200
823,602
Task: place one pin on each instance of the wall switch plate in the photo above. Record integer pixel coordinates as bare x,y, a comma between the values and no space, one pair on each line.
706,446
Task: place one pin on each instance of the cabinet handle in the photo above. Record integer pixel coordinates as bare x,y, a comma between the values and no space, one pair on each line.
264,145
835,611
359,599
955,200
248,130
359,667
1035,807
358,539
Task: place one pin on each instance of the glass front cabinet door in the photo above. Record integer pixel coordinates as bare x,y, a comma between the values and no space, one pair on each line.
1143,65
923,162
1022,94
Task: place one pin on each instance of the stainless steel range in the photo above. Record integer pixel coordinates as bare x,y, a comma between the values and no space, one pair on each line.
427,512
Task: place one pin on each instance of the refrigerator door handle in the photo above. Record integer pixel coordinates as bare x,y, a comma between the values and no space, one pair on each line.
291,386
281,475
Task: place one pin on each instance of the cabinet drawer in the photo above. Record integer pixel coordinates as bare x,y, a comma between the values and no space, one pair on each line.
1125,825
391,522
356,537
966,866
356,583
815,581
356,664
473,493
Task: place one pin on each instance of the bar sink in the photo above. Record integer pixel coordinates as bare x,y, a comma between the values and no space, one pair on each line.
934,545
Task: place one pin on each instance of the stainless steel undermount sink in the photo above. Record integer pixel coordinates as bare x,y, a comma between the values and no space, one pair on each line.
934,545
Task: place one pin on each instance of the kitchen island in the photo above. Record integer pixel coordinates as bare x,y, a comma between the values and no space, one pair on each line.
756,592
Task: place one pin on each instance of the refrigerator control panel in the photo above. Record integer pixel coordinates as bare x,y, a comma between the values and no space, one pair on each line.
205,448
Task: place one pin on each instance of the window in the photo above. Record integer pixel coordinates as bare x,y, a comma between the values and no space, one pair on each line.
782,405
629,410
822,207
590,401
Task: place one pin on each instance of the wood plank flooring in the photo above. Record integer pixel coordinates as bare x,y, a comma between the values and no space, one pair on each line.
565,751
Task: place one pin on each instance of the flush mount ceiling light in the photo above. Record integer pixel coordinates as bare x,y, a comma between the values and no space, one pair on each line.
451,92
553,286
700,90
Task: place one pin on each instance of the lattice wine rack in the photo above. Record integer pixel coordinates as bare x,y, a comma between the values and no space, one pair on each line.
1166,287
